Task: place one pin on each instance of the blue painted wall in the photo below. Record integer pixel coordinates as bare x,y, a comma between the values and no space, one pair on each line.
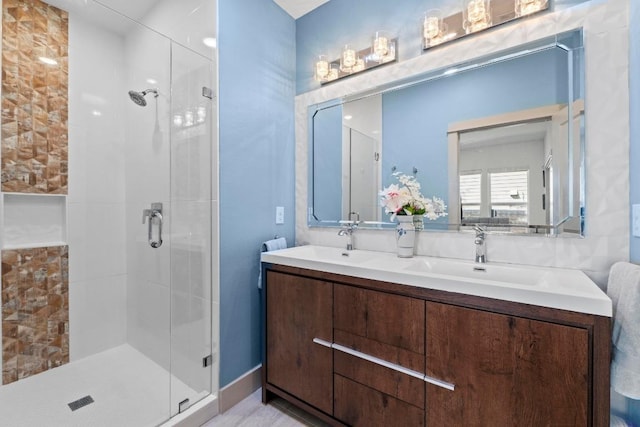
256,90
419,116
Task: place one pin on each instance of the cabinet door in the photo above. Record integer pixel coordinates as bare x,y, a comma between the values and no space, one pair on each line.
299,309
507,371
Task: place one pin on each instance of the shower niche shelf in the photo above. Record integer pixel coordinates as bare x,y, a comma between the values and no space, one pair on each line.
31,221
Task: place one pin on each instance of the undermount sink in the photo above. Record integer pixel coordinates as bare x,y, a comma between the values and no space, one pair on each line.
560,288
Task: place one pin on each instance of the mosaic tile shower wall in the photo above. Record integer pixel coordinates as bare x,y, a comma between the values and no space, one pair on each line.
35,311
34,97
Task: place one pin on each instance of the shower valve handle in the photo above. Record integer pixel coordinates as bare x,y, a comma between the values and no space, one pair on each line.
154,213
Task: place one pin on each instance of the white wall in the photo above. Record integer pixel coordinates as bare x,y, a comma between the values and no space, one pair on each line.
606,43
96,200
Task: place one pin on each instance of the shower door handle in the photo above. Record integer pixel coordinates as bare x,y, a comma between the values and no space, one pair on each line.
155,213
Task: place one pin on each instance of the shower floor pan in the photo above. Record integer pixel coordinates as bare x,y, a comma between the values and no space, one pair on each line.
127,388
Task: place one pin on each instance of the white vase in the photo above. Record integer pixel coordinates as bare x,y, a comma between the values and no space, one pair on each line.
405,236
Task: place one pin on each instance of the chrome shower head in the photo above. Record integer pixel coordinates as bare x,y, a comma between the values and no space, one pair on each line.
138,97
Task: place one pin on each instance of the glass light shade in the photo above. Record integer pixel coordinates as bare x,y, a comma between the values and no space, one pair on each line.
527,7
348,59
477,15
321,69
380,46
433,28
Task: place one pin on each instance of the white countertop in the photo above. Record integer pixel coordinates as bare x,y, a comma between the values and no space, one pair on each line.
564,289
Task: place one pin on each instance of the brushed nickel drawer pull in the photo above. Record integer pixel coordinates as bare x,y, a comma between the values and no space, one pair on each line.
379,361
382,362
322,342
439,383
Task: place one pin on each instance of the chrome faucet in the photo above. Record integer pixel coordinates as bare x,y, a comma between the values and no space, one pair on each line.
481,255
348,230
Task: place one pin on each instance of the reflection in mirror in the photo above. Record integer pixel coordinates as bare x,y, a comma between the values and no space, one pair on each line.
513,170
516,101
432,125
501,174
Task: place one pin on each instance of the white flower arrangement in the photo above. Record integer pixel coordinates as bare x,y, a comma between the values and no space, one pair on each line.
408,200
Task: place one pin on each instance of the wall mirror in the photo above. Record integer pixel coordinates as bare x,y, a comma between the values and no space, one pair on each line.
500,139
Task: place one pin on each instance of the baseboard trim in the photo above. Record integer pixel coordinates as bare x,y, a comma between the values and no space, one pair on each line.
239,389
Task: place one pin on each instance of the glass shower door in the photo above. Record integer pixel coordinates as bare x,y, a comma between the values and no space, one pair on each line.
192,115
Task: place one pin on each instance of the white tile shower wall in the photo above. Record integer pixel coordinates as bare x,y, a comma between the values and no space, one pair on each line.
97,320
606,41
96,240
96,200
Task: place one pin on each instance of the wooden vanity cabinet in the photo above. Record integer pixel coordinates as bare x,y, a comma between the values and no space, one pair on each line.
390,351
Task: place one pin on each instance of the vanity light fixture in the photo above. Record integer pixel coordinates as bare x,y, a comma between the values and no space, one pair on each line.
477,15
352,61
527,7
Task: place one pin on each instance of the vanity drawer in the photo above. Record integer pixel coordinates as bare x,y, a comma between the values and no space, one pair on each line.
383,379
358,405
383,322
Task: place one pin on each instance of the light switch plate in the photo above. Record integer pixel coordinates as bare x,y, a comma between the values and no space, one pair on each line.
635,221
280,215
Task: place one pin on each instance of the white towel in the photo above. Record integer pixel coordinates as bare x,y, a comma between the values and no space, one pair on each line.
624,290
268,246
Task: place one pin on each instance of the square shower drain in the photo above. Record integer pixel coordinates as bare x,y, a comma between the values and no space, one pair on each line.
83,401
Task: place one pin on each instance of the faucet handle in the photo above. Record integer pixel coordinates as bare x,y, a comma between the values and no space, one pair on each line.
479,230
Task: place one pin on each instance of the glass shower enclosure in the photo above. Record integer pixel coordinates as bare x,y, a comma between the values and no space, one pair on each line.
109,303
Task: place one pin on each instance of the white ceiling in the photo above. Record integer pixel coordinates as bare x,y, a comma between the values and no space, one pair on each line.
297,8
